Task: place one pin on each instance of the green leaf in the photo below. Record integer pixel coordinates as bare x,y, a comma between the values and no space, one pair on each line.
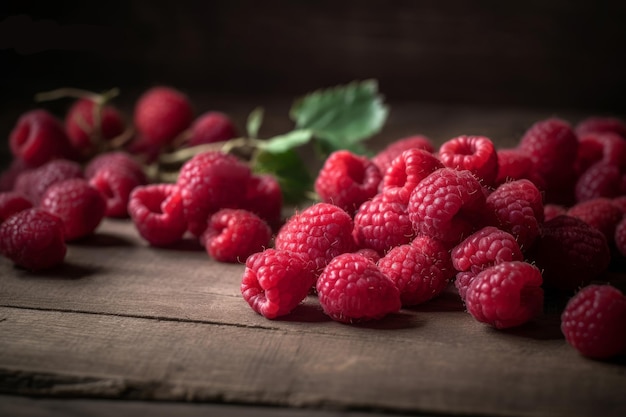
282,143
290,171
255,119
342,116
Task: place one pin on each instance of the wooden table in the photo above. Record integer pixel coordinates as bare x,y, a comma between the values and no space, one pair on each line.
166,332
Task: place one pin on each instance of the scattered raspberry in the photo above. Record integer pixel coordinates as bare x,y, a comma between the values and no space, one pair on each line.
211,127
33,239
320,232
449,205
517,207
420,270
595,147
594,321
34,183
620,236
550,211
208,182
570,253
353,289
12,202
347,180
381,223
506,295
275,282
601,124
161,114
406,171
600,213
115,184
80,206
476,154
82,131
39,137
384,158
600,180
514,164
157,213
118,160
234,234
264,198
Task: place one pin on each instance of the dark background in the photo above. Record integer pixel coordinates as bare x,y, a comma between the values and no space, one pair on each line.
561,54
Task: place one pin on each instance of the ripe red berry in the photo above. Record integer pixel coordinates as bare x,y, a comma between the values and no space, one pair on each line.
476,154
115,184
406,171
515,164
211,127
117,160
33,239
609,148
600,180
12,202
594,321
600,213
384,158
264,198
506,295
34,183
601,124
275,282
39,137
353,289
82,130
80,206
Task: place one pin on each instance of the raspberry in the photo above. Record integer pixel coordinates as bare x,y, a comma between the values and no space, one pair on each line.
275,282
381,223
550,211
620,202
600,180
506,295
552,147
80,206
370,254
420,270
264,198
115,184
157,213
320,233
118,160
347,180
570,253
353,289
594,321
39,137
384,158
600,213
81,129
161,113
33,239
211,127
517,207
449,205
476,154
601,124
9,175
208,182
606,147
234,234
12,202
514,164
34,183
620,236
406,171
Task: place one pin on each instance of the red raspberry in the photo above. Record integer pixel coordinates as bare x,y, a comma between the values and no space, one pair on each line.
384,158
9,175
264,198
370,254
406,171
553,147
514,164
115,184
118,160
33,239
161,114
487,247
606,147
81,129
34,183
550,211
600,180
157,213
517,207
620,236
476,154
12,202
275,282
600,213
208,182
381,223
320,233
234,234
594,321
353,289
506,295
570,253
601,124
211,127
449,205
347,180
39,137
421,270
80,206
620,202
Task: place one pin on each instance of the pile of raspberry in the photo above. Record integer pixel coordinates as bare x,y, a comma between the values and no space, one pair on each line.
500,227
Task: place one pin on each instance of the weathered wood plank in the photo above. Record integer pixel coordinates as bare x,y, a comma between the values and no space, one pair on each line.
74,354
